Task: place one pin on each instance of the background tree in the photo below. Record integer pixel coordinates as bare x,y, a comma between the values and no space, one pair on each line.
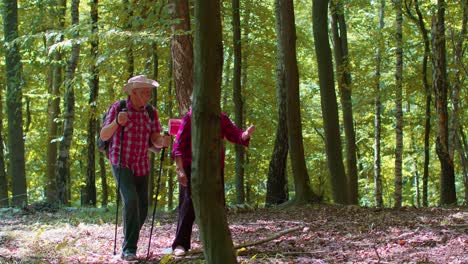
378,110
440,86
343,71
63,160
14,103
55,77
237,98
328,101
89,195
4,200
209,208
277,178
424,78
398,102
304,193
182,53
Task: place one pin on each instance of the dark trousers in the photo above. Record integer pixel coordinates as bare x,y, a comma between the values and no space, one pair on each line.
186,213
134,193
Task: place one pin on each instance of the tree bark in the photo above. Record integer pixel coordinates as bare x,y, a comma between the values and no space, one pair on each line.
344,84
62,173
329,103
90,188
277,177
378,110
182,54
14,104
440,86
398,104
207,190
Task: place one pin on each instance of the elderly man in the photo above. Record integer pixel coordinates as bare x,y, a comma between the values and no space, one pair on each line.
130,165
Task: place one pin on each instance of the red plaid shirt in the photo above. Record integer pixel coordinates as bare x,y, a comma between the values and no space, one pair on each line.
183,141
136,138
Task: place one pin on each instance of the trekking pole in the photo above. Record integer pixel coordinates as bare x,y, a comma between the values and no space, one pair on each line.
118,182
156,200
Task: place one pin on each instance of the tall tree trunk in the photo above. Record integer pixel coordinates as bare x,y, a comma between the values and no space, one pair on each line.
209,208
89,197
287,43
398,103
4,200
153,156
277,177
182,54
238,103
244,81
328,101
457,85
53,111
63,161
378,110
14,104
419,21
440,86
344,84
170,179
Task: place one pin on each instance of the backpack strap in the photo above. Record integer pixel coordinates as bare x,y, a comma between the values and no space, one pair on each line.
150,111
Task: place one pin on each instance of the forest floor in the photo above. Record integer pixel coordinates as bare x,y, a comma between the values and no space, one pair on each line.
323,234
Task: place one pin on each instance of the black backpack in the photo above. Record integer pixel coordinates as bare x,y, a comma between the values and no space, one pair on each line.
103,146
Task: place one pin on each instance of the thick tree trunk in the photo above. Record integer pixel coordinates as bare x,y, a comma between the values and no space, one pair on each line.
238,103
277,177
14,104
398,104
182,54
440,86
287,42
53,111
378,110
62,173
170,179
207,190
329,103
89,196
344,84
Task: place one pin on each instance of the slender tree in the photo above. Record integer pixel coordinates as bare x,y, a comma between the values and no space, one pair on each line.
53,109
207,191
277,178
238,102
378,110
328,101
182,53
458,51
419,20
14,103
440,86
340,41
4,200
63,161
304,193
89,195
398,103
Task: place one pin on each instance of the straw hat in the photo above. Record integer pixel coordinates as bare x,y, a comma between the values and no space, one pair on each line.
139,81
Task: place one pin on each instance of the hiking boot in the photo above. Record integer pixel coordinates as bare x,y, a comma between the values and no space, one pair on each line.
128,256
179,251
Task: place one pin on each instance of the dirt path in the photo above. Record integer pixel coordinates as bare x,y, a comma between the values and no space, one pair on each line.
326,234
